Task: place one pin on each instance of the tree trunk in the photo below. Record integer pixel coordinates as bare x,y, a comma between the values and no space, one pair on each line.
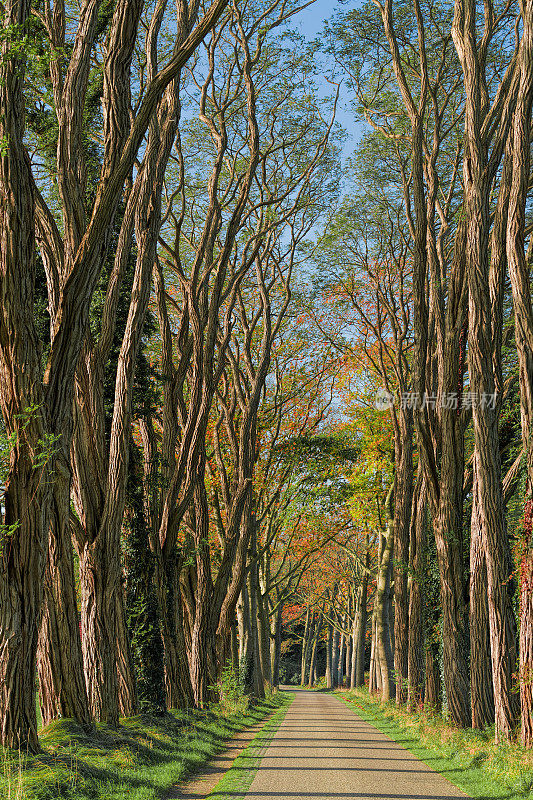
382,629
433,689
353,662
526,636
314,648
246,657
478,174
178,685
259,683
59,659
480,657
519,271
26,499
201,661
342,656
127,689
335,657
415,697
329,657
99,580
403,497
361,622
305,647
276,645
234,647
264,639
349,647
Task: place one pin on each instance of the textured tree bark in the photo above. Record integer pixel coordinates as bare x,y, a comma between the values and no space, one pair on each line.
335,658
361,621
433,688
342,657
127,688
59,657
374,682
264,639
276,644
480,657
258,682
403,497
201,660
349,646
444,479
305,647
26,499
245,640
478,173
235,648
317,629
416,654
329,657
519,270
353,662
526,638
99,581
178,687
383,649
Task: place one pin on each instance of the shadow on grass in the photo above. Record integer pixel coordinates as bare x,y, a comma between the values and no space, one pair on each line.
139,760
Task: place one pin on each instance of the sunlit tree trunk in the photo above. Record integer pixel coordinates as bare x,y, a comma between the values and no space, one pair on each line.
417,558
519,270
314,650
276,644
60,660
329,657
403,497
305,646
478,174
480,658
383,650
26,499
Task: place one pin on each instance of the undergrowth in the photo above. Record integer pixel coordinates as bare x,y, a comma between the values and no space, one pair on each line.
469,759
140,760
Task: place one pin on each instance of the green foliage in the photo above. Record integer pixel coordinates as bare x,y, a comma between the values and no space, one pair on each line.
22,42
142,615
232,691
9,443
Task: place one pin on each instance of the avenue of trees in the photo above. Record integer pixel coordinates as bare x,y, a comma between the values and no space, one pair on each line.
423,286
200,304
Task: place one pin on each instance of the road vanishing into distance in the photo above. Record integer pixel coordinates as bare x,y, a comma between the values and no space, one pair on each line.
322,749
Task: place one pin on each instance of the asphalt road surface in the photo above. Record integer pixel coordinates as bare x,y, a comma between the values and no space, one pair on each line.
324,750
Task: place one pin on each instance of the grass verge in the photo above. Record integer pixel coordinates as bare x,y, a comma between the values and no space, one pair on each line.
239,777
468,759
139,761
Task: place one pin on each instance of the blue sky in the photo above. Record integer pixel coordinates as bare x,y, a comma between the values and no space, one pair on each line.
310,23
311,19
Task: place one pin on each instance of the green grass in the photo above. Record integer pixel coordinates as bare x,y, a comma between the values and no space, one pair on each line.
239,777
138,761
468,759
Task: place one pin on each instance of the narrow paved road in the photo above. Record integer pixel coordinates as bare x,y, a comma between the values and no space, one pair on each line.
323,750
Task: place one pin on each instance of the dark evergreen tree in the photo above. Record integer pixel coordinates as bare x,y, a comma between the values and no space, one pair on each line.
141,603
